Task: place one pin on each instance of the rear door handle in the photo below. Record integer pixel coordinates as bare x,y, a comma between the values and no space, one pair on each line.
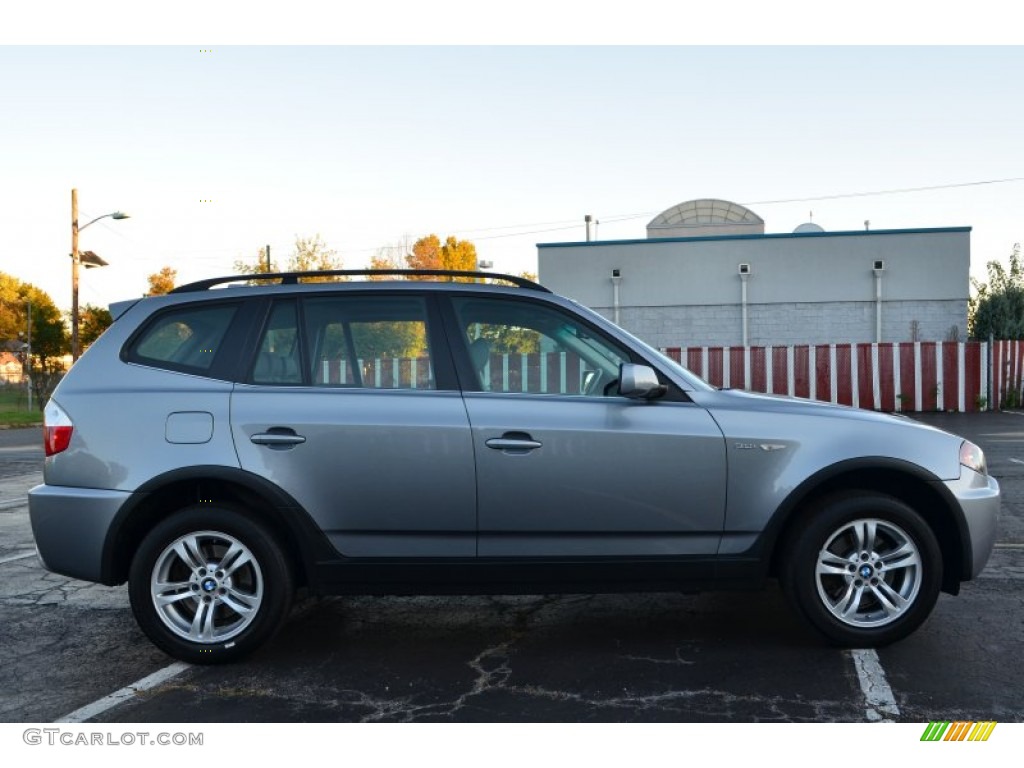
503,444
278,437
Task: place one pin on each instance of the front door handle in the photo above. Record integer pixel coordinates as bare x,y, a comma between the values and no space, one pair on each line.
278,437
515,442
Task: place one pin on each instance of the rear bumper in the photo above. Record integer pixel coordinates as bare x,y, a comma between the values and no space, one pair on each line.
978,497
71,525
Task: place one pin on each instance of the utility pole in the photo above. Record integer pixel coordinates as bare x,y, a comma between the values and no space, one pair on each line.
28,357
91,260
268,257
74,275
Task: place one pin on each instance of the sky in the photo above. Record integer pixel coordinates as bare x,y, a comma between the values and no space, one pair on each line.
217,150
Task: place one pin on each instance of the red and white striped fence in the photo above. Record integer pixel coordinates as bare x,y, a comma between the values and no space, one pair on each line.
910,376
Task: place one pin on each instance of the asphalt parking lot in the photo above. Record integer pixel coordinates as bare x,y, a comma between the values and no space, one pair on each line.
65,646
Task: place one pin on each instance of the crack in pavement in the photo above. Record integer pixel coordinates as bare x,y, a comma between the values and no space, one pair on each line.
25,583
492,673
677,661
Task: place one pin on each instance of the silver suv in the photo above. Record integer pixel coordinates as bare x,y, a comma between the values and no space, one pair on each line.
224,445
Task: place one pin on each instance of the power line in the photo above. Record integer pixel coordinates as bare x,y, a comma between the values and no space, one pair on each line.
888,191
628,216
566,224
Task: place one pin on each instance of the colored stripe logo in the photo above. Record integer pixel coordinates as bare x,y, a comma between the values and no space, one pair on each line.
944,730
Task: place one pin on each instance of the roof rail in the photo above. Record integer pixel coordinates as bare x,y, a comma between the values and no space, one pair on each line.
292,278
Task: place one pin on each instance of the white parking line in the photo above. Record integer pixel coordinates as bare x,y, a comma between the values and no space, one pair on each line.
125,694
1016,461
12,558
881,704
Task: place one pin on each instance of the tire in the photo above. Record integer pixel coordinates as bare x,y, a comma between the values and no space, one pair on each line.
864,569
208,585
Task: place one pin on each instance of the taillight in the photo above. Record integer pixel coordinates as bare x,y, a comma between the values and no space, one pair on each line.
57,429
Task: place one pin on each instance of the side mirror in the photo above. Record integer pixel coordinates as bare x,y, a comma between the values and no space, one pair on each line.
639,382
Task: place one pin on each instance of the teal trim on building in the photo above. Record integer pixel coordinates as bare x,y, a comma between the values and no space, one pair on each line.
774,235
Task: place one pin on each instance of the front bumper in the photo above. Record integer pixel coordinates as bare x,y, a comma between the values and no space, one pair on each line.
71,525
978,497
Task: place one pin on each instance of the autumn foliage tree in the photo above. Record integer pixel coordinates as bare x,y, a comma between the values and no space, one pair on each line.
311,254
260,266
430,253
384,262
161,282
394,256
50,340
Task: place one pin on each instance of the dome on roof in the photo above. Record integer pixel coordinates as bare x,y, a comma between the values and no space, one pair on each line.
808,226
707,216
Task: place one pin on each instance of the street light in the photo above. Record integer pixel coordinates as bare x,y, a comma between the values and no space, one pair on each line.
89,259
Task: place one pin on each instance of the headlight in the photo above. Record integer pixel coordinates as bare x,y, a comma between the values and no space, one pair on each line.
972,457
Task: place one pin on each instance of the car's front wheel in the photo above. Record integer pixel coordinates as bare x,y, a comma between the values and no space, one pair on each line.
209,585
864,569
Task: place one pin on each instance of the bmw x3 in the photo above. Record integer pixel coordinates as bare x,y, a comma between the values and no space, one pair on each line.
225,445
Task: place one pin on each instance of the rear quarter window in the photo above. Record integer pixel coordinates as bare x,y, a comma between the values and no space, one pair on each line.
184,339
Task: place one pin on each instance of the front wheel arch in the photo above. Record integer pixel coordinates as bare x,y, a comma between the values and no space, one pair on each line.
918,489
864,569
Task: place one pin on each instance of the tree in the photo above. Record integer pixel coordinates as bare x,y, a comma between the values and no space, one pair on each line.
311,255
425,254
385,258
50,340
997,308
257,267
12,308
429,253
162,282
458,254
95,320
391,256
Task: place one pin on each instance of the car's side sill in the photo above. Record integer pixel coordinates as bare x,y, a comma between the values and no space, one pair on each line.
496,576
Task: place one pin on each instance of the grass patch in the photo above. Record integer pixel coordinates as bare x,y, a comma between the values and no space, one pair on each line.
14,410
20,418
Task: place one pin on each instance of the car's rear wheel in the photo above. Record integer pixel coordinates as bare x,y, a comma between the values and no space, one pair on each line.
209,585
864,569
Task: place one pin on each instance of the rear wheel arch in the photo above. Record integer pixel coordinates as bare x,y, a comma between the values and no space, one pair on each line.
210,584
163,496
908,483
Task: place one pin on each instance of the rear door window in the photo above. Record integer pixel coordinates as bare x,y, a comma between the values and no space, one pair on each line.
377,342
279,360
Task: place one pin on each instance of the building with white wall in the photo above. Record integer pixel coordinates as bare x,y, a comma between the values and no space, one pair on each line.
707,274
